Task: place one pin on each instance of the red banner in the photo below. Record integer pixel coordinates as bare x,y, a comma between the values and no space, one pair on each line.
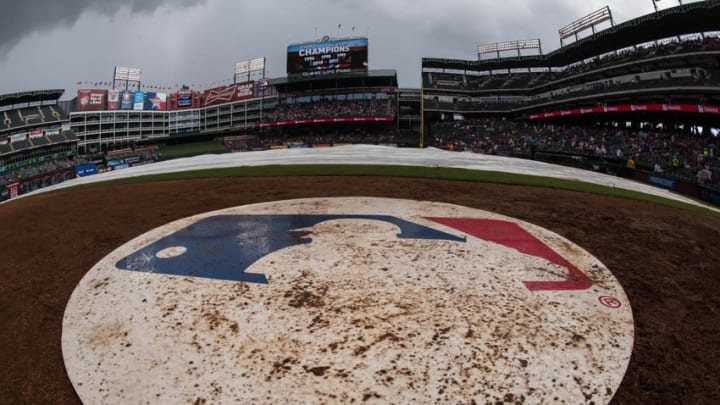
226,94
91,100
13,189
113,100
686,108
324,121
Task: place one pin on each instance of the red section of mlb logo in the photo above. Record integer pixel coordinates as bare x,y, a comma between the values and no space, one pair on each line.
513,236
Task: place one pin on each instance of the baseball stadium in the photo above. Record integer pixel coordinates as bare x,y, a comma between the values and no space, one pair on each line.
525,227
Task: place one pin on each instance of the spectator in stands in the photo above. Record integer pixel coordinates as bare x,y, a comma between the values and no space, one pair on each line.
630,164
657,168
704,176
675,163
533,142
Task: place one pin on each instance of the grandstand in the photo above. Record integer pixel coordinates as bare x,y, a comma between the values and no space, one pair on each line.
647,89
661,58
338,104
36,147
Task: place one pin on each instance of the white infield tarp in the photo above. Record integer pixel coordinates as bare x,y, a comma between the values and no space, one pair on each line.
377,155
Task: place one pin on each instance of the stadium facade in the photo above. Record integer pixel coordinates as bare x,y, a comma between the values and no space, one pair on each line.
660,70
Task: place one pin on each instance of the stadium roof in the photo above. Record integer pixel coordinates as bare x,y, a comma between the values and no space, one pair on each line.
353,79
681,20
30,97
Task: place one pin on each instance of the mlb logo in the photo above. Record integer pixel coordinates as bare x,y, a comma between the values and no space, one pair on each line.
340,299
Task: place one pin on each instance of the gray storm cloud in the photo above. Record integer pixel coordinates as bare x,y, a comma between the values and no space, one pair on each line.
25,17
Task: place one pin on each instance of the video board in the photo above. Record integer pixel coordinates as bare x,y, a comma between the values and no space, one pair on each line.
327,56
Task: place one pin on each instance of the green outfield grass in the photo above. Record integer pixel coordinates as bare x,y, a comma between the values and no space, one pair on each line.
408,171
190,149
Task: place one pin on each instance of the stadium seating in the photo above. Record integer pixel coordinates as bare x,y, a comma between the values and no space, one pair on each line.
647,147
30,116
274,139
57,138
5,148
39,141
20,145
56,116
608,62
333,109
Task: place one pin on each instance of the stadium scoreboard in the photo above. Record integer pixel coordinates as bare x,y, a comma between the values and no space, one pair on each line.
327,56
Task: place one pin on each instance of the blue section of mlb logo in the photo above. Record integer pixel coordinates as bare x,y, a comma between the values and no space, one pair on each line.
223,247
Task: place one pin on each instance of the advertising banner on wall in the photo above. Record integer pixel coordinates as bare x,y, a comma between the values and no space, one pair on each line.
244,91
37,133
139,100
328,56
624,108
113,100
226,94
91,100
88,169
155,101
219,95
13,189
184,99
21,136
126,100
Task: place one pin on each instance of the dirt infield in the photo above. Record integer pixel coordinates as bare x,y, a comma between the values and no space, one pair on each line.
668,261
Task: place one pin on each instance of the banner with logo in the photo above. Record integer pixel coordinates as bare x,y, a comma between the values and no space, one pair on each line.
36,133
91,100
126,100
86,170
226,94
138,100
13,189
113,100
662,181
155,101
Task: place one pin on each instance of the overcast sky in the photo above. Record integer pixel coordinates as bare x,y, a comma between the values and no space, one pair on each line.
57,43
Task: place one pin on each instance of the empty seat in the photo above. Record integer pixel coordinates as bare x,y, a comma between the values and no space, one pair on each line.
56,138
40,141
20,145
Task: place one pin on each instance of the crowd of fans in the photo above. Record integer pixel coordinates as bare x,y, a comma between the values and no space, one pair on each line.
53,172
271,140
333,109
680,154
145,154
38,171
652,50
